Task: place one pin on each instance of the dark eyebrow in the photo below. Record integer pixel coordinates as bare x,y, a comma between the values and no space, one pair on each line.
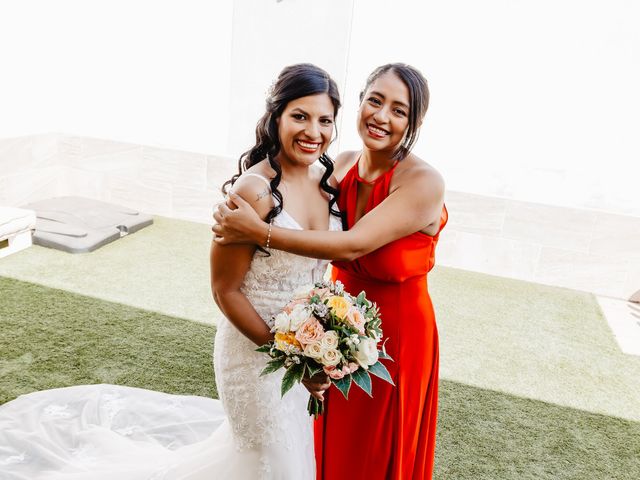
383,97
298,109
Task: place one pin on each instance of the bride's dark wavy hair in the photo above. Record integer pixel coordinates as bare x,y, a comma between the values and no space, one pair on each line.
294,81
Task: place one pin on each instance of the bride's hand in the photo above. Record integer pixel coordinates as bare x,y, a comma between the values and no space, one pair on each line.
317,385
239,225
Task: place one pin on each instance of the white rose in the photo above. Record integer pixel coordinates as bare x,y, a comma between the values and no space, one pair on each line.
298,316
314,350
282,323
366,353
331,358
330,340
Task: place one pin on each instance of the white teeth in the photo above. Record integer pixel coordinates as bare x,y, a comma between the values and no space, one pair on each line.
310,146
379,131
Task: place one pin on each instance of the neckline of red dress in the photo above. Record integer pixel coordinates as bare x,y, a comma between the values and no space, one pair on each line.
375,180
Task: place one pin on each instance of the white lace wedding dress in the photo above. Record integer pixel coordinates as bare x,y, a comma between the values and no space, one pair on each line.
100,432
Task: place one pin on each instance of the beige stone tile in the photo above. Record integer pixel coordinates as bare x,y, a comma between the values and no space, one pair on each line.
616,236
83,183
549,226
4,195
32,185
175,167
96,147
445,249
16,154
69,150
45,150
492,255
194,205
592,273
624,320
148,197
475,213
478,180
22,154
124,163
219,170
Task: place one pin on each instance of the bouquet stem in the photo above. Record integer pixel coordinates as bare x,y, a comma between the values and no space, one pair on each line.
315,407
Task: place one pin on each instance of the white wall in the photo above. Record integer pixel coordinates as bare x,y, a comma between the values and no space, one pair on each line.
536,101
141,71
269,35
533,101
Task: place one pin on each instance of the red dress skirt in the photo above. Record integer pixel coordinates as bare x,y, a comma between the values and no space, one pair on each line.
392,435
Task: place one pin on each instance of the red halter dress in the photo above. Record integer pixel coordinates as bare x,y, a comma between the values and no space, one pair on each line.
392,435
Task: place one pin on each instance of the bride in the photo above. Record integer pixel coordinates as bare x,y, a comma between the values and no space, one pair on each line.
107,431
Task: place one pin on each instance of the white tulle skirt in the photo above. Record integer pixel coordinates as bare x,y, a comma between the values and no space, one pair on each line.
108,432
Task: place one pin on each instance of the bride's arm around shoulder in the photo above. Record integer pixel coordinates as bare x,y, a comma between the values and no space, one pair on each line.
230,263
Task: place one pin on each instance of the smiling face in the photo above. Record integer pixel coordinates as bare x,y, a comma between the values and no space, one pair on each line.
305,129
383,116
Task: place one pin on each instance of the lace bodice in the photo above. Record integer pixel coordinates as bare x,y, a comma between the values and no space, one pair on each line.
271,280
269,284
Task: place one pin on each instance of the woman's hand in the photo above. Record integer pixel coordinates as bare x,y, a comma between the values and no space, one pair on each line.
240,224
317,385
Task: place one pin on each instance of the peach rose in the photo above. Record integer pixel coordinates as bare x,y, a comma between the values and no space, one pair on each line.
355,318
310,331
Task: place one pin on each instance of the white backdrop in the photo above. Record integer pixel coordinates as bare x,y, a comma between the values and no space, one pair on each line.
535,101
143,71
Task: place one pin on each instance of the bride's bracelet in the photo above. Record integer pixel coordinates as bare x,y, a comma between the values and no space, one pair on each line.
269,236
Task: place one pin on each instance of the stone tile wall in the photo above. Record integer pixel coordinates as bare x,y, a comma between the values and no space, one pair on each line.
581,249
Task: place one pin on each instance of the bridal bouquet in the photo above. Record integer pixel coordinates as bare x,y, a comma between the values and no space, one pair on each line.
324,328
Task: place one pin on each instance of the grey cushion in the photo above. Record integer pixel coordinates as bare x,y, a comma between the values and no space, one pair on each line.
76,224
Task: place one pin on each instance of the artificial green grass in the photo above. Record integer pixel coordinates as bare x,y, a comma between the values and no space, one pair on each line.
533,385
533,341
488,435
51,338
162,268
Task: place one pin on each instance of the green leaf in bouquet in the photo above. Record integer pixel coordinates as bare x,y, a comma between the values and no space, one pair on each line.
273,365
361,298
293,374
315,407
380,371
343,384
383,355
312,368
363,380
266,348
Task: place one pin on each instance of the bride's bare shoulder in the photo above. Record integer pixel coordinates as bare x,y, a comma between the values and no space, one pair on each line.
253,186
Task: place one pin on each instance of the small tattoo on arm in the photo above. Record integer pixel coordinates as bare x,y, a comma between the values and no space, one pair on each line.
262,194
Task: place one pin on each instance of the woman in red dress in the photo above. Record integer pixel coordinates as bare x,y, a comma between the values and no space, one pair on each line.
394,211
